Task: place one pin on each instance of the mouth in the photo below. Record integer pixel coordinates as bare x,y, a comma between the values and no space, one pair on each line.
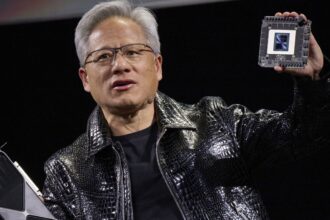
122,85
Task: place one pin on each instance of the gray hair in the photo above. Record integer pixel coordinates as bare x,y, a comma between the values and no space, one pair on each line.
122,8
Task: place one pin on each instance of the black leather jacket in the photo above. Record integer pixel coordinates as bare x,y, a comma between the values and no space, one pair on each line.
205,152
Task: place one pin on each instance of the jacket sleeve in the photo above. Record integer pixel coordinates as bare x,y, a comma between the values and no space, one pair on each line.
267,137
53,192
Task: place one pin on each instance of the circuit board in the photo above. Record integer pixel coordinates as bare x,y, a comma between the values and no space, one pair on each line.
284,41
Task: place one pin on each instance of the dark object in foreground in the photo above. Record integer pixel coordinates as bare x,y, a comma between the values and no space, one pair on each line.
18,200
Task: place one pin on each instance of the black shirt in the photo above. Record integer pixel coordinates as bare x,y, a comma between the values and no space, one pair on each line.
151,197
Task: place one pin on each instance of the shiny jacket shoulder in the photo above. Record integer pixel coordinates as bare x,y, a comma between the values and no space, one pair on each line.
205,152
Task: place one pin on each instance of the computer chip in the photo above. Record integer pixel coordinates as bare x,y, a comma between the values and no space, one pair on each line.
284,41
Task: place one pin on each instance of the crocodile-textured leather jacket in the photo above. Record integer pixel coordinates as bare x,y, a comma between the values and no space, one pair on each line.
205,152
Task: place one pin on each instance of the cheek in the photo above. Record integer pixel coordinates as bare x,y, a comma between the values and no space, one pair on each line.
150,71
98,80
151,77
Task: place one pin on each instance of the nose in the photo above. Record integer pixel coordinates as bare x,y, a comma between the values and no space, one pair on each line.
119,63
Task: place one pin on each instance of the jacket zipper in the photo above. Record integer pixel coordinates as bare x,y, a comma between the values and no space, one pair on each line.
162,173
121,184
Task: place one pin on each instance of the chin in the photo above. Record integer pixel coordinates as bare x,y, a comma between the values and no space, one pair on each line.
123,107
128,106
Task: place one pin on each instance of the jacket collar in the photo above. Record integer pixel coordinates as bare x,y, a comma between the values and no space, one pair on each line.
170,114
98,132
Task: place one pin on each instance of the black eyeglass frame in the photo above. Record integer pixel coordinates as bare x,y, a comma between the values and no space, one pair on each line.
115,50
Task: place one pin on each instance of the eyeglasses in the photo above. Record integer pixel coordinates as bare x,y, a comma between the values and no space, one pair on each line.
107,56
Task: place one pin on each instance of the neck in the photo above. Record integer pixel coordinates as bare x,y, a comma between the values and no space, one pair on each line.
132,122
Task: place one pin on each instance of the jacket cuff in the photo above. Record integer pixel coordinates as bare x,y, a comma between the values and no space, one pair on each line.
325,72
314,92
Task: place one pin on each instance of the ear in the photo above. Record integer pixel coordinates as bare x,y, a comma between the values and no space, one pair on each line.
84,79
158,65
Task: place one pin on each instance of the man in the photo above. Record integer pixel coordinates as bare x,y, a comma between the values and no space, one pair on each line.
146,156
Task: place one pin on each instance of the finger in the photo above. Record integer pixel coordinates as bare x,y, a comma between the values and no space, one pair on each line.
279,69
304,16
314,45
315,52
286,13
294,14
312,40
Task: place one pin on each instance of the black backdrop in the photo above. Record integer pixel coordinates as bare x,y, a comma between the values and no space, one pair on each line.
208,49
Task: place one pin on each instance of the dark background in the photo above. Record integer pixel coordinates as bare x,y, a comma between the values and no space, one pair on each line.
209,49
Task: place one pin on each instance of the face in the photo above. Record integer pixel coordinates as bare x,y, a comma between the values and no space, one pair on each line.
122,87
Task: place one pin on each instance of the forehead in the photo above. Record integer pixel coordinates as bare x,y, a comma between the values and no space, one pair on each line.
115,32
